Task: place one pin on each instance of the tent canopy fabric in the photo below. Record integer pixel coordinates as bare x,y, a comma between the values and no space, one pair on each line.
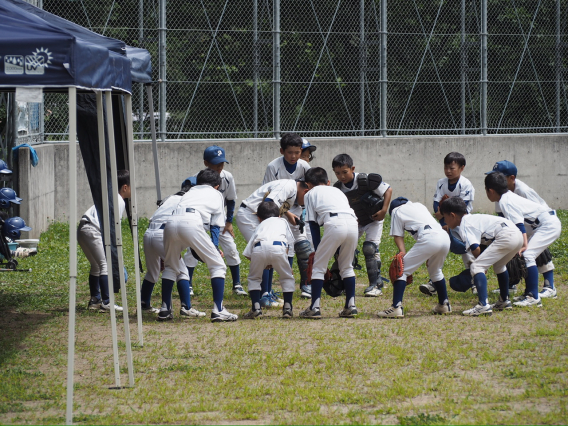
140,67
36,53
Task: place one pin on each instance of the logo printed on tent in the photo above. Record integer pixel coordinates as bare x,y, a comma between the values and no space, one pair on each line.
37,62
14,64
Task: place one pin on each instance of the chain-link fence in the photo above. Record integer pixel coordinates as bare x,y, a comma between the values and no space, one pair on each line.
258,68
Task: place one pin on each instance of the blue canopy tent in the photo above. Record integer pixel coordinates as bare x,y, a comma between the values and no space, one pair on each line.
36,54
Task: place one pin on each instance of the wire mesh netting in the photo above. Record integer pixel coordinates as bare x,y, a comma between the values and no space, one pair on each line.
219,74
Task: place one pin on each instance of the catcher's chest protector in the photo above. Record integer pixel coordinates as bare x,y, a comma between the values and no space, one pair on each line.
365,184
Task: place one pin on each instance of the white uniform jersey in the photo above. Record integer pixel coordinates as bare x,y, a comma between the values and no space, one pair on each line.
463,189
278,191
227,187
322,200
519,209
527,192
208,202
481,229
413,218
276,170
164,212
270,230
92,216
380,191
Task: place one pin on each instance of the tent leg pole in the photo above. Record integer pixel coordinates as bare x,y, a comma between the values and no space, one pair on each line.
118,236
134,212
154,143
72,249
106,228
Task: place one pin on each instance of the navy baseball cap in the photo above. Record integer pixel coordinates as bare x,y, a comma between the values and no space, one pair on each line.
505,167
307,145
397,202
4,168
214,154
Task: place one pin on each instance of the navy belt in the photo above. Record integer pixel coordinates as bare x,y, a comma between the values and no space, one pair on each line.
551,213
163,226
190,210
274,243
243,205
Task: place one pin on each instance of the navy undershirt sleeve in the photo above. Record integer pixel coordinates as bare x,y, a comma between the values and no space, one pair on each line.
315,230
521,226
473,247
214,235
268,199
230,210
436,205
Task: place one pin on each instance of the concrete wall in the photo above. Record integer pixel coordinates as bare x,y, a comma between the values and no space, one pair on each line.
411,166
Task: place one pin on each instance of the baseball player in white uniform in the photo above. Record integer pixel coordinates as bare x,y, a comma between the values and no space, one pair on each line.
362,200
90,239
503,239
432,245
453,185
291,166
284,193
522,189
200,208
328,207
214,159
523,212
268,248
154,251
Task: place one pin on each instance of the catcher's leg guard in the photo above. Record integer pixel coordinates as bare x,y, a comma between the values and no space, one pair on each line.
370,249
303,249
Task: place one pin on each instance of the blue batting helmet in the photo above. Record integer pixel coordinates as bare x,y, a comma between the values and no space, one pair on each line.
13,226
4,168
7,196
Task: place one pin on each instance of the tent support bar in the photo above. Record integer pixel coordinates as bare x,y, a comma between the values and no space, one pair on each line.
106,228
118,234
72,249
134,211
154,143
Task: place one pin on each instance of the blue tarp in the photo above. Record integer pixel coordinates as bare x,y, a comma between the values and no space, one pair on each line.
141,67
34,52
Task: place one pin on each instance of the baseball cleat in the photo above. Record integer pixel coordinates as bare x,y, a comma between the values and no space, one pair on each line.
478,310
548,293
310,313
373,291
528,301
442,309
165,315
94,304
267,302
106,308
392,312
512,289
306,291
253,314
190,313
223,316
350,312
501,305
276,297
150,310
428,289
287,313
239,291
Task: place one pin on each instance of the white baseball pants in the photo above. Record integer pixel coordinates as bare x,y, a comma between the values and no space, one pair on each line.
269,254
544,268
432,246
507,243
227,244
247,222
547,232
340,230
91,241
187,231
154,251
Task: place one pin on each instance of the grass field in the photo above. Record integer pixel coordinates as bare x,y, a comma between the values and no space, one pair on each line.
510,368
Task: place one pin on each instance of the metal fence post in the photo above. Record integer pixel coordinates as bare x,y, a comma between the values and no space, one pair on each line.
384,68
558,65
276,69
362,65
255,66
463,65
484,67
162,61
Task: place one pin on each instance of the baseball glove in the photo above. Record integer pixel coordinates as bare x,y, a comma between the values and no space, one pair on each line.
310,267
517,269
332,282
396,269
283,208
543,258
